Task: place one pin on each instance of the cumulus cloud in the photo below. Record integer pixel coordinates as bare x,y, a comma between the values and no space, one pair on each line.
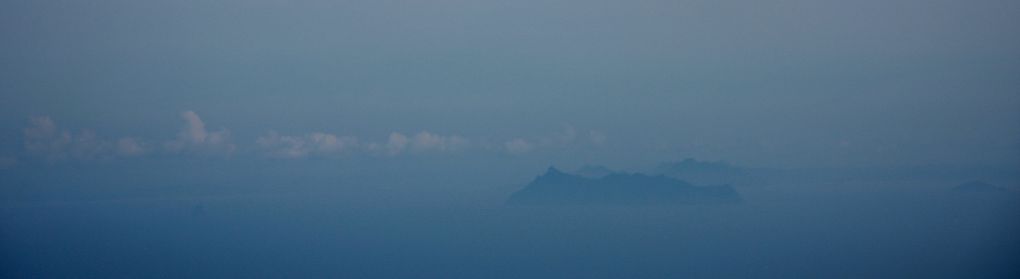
324,142
86,145
424,141
566,137
130,147
44,140
194,130
314,144
395,144
421,142
194,137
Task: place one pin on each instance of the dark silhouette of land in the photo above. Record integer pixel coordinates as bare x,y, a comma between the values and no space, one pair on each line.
558,188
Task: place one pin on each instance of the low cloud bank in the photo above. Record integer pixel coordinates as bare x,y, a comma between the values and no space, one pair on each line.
293,147
45,141
194,138
568,136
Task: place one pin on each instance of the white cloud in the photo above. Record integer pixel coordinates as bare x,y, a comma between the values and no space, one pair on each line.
43,139
564,138
195,138
194,130
328,143
130,147
424,141
292,147
421,142
87,145
395,144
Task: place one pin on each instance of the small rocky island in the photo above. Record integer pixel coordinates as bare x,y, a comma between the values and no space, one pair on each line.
558,188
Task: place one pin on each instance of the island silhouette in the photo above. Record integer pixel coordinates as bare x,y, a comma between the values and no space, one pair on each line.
555,187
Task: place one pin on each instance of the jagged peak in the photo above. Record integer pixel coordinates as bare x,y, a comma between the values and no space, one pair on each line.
553,174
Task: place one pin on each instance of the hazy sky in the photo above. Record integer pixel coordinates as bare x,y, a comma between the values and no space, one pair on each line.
764,83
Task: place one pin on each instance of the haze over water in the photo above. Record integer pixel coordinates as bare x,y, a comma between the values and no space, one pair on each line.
384,139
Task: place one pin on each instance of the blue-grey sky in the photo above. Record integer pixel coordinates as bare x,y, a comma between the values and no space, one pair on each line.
394,138
762,83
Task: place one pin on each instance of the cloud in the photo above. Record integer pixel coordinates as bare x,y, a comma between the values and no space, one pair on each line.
425,141
518,146
394,145
566,137
194,129
314,144
195,138
86,145
44,140
331,143
130,147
